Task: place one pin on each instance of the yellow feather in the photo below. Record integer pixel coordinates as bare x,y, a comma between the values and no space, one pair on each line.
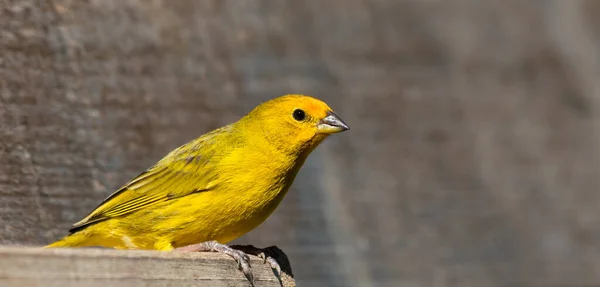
216,187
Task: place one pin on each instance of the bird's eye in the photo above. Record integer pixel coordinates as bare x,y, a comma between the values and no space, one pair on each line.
299,115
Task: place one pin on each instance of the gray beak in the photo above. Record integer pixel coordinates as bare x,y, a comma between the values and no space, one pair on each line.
332,124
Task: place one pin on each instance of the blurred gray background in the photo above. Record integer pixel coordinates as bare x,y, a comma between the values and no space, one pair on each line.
473,158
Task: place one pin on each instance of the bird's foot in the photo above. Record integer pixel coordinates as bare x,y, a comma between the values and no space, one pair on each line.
239,256
262,253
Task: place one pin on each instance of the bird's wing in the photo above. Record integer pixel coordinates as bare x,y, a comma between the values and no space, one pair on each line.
186,170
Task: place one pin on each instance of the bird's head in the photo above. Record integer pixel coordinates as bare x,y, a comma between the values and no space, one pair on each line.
295,122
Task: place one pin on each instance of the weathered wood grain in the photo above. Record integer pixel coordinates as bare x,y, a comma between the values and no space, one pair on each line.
472,161
38,267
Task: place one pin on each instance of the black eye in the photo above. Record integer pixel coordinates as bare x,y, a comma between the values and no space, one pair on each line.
299,115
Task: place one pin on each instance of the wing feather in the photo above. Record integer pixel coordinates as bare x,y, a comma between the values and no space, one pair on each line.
186,170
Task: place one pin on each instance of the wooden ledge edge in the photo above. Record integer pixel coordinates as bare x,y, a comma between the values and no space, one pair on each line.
36,266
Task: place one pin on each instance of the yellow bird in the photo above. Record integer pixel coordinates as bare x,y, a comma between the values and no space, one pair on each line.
215,188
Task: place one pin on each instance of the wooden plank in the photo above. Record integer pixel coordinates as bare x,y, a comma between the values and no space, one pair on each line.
35,266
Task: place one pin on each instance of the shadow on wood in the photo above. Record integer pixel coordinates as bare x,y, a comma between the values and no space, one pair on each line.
34,266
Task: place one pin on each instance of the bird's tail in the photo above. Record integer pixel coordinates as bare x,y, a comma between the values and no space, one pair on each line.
77,239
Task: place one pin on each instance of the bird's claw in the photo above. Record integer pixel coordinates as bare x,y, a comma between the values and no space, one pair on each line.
243,261
262,256
272,262
244,265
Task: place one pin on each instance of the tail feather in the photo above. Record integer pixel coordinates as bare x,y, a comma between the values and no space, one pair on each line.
77,239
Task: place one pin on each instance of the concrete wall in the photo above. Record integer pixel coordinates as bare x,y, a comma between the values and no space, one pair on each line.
473,158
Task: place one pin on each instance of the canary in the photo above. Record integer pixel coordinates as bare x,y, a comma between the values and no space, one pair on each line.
214,188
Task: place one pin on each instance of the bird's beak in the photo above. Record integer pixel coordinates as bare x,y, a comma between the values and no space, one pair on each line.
332,124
